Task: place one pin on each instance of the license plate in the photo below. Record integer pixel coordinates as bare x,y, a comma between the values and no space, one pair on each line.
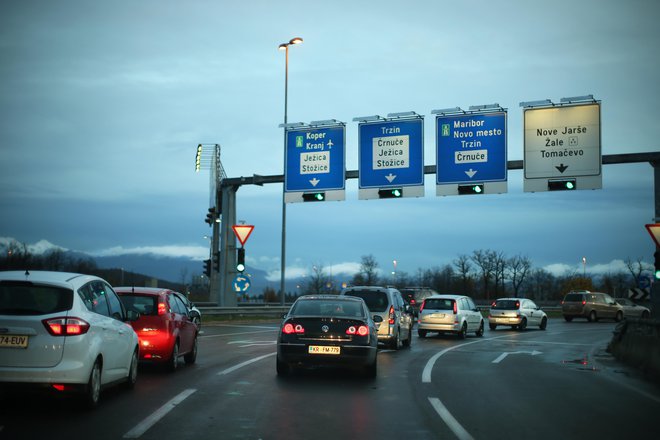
13,341
438,315
324,349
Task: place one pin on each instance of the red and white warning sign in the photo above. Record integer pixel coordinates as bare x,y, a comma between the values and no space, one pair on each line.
242,232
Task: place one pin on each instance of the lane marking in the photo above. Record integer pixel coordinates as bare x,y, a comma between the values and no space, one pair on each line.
449,420
161,412
240,333
501,357
243,364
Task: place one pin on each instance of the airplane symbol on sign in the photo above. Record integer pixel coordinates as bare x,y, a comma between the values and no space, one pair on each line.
330,144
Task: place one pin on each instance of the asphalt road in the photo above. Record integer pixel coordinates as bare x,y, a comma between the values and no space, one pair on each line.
558,383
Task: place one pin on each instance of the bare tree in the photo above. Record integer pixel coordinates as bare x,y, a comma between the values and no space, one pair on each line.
486,262
518,268
368,274
318,280
635,268
464,267
500,264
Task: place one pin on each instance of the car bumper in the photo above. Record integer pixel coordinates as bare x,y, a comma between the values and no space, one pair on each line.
350,355
503,320
438,327
66,372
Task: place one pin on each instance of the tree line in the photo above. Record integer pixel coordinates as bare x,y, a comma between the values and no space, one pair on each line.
486,274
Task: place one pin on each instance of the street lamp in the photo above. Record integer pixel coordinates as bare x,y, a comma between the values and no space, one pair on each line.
285,48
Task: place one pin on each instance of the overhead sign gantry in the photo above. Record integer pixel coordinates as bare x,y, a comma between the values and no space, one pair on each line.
391,156
562,144
471,150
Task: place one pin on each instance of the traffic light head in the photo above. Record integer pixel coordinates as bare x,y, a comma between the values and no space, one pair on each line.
390,193
475,188
561,185
207,268
240,260
210,216
657,265
313,197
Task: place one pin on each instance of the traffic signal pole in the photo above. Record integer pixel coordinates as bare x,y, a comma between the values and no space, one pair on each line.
225,294
655,286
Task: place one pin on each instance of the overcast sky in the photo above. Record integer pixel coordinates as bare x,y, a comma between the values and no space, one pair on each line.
102,105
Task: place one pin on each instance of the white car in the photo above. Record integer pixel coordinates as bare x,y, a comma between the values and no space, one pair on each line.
64,332
517,313
456,314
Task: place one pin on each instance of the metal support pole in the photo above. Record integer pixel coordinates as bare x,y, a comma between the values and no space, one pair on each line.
655,287
226,296
283,254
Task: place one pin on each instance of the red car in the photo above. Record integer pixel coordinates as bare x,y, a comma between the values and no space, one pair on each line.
164,328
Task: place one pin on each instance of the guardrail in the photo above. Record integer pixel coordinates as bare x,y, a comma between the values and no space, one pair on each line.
277,311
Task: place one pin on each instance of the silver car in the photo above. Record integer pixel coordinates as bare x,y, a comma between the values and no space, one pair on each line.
456,314
396,328
633,310
65,332
517,313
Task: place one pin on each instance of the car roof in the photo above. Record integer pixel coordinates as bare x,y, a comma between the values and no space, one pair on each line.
143,290
509,299
447,296
330,297
381,288
45,276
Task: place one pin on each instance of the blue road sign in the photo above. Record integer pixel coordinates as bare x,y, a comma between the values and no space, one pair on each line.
471,148
241,284
315,159
391,153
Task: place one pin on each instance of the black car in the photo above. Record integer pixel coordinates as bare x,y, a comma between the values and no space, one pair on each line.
328,330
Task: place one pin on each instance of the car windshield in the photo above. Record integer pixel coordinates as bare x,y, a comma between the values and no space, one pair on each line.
143,304
439,304
330,307
510,304
25,298
376,300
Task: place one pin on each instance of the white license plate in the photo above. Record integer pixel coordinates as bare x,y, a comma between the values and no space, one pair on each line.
323,349
438,315
13,341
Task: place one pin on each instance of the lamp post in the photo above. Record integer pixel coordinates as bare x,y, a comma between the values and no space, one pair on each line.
285,48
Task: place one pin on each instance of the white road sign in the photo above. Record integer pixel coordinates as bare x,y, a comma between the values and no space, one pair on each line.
562,141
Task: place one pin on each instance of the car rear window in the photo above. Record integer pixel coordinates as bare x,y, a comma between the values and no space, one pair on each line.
438,304
335,308
509,304
376,300
143,304
574,297
26,298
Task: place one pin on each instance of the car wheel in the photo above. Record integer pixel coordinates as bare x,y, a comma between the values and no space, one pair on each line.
190,358
492,326
645,315
197,321
544,323
619,316
174,358
480,331
568,318
396,343
421,333
282,368
408,340
592,316
523,324
132,371
462,334
93,389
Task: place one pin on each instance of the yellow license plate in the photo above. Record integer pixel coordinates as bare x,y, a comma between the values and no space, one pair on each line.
323,349
14,341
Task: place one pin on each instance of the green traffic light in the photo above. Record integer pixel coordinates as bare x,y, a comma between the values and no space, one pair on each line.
570,185
477,189
657,274
319,196
396,193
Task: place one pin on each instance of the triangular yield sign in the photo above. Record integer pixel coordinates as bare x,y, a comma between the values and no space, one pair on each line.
654,230
242,232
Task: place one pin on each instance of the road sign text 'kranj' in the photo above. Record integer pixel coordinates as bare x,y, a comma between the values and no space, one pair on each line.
315,159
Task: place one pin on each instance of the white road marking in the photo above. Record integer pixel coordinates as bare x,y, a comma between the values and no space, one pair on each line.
241,333
501,357
242,364
161,412
451,422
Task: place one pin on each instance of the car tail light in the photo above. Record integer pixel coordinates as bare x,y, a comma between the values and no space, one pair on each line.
290,329
413,302
517,304
66,326
493,304
391,314
455,308
422,306
362,330
162,308
584,302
